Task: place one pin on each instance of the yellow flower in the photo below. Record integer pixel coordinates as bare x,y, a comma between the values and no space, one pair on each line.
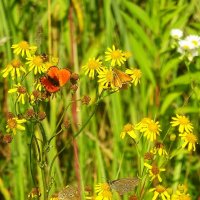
36,63
105,79
135,74
143,123
52,61
128,129
103,191
154,171
116,56
92,66
127,54
14,68
14,124
21,92
189,139
159,149
149,128
181,193
24,47
183,123
181,197
160,191
35,193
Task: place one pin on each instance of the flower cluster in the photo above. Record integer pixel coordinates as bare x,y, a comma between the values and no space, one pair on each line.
45,78
108,73
187,47
156,151
185,129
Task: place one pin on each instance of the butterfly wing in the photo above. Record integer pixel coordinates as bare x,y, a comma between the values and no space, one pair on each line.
55,79
124,185
63,76
120,78
69,193
49,86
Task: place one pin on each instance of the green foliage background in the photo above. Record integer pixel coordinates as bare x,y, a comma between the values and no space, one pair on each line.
75,31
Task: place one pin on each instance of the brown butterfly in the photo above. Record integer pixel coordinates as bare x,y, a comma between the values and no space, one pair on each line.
120,78
124,185
69,193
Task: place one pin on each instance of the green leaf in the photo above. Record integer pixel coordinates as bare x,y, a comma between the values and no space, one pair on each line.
142,58
139,13
140,32
168,100
169,66
186,79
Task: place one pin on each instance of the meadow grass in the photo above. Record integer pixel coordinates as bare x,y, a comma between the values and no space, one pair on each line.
49,155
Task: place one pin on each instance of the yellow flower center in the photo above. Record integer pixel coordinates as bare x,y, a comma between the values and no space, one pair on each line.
155,170
12,123
137,73
191,138
106,194
148,156
185,47
16,63
160,189
24,45
183,120
128,127
105,186
93,64
116,54
109,76
153,127
159,145
21,90
195,42
37,61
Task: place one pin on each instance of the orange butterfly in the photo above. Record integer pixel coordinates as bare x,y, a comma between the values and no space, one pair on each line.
55,79
120,78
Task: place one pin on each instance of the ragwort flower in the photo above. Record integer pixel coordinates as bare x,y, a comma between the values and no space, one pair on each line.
135,74
116,56
149,128
21,92
36,64
24,48
154,171
14,124
181,193
103,191
92,66
190,140
128,129
105,79
183,122
15,68
159,149
160,191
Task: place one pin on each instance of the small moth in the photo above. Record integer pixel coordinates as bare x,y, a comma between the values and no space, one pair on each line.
69,193
124,185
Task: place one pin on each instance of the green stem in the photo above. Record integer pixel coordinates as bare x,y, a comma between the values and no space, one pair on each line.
43,161
81,129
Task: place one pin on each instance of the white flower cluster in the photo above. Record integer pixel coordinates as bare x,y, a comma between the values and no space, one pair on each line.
189,46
